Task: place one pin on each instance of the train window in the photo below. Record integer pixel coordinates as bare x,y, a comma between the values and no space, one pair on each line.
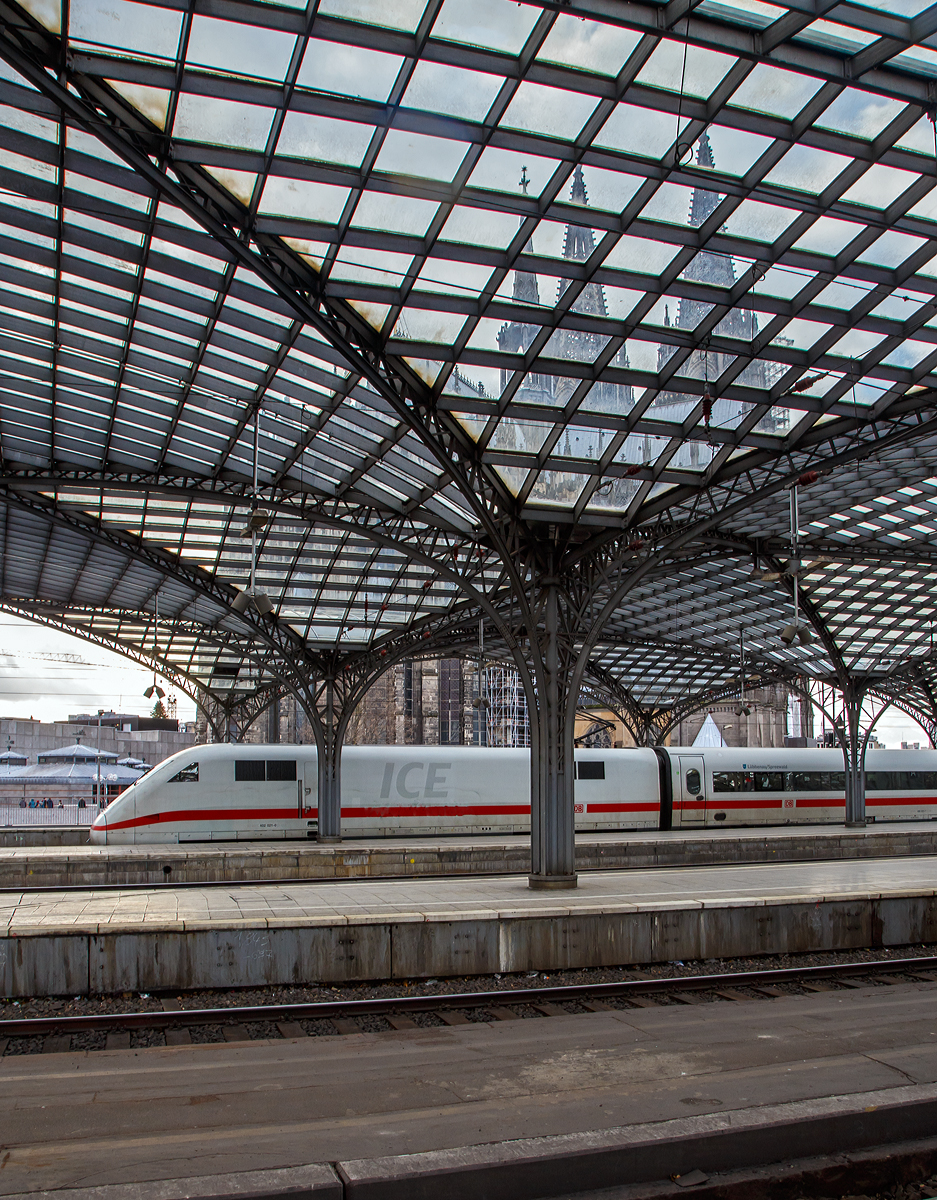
281,769
915,781
882,781
249,770
733,781
694,785
590,770
815,781
188,774
769,781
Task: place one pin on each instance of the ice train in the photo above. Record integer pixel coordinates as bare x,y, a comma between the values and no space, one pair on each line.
227,792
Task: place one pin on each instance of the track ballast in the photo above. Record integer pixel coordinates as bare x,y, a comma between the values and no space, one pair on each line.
177,1026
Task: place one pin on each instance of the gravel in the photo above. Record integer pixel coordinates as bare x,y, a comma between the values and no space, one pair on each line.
899,1191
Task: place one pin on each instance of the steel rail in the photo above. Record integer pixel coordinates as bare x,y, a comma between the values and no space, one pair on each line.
33,1026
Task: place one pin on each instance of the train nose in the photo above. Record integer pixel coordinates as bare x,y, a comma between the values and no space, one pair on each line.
98,834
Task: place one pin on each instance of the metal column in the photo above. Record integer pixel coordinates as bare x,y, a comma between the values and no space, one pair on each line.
854,753
330,772
552,821
273,721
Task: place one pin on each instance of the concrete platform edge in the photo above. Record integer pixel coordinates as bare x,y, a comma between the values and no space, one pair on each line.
541,1168
827,1136
317,1180
159,955
35,857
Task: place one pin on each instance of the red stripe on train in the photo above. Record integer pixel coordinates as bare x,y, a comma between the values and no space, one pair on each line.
280,814
206,814
441,810
608,808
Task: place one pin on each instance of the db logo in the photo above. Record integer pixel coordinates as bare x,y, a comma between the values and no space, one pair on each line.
788,802
578,808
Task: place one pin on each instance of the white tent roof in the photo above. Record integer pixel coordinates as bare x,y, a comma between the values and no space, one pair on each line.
709,734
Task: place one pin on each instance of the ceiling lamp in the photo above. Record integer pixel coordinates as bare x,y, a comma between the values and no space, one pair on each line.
252,596
794,630
154,689
743,709
258,519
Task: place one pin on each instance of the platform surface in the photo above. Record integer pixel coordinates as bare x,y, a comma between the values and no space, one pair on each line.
337,902
78,1119
380,858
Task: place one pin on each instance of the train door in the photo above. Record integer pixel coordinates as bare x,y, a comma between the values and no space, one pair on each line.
692,790
309,797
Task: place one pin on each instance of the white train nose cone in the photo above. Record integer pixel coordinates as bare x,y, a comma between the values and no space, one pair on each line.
98,834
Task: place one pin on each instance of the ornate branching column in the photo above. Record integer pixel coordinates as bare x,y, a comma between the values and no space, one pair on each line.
329,748
552,807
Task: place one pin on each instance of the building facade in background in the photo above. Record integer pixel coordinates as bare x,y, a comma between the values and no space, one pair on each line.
448,702
33,738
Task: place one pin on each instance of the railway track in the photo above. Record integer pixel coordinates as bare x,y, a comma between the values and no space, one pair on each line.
175,1025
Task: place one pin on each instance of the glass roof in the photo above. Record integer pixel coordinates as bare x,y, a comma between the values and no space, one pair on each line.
632,271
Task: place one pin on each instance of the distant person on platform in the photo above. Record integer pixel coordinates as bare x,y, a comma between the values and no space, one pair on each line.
23,802
81,802
32,802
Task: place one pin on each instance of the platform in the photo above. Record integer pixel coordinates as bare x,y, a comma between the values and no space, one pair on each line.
251,934
682,1084
242,862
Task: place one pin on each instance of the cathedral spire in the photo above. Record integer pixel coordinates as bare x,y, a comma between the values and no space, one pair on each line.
580,240
578,245
526,288
704,203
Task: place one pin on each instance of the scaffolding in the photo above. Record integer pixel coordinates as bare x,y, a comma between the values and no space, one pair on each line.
500,715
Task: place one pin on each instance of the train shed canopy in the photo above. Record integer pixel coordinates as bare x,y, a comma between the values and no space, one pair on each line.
403,313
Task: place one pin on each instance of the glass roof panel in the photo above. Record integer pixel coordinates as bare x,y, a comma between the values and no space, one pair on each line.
773,90
348,70
441,88
232,48
416,154
391,14
140,29
588,45
500,170
306,136
495,24
691,70
222,122
302,199
548,110
640,131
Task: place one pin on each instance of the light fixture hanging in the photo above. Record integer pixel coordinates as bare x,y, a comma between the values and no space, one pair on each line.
258,519
154,689
794,631
743,709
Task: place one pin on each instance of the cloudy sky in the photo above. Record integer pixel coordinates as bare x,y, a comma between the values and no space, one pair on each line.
40,677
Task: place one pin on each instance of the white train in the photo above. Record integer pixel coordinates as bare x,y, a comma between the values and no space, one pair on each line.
228,792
